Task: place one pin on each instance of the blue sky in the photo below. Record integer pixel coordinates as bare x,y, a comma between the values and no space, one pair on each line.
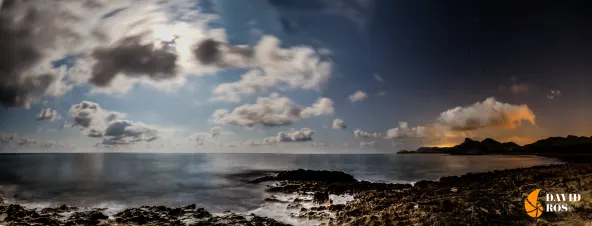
413,64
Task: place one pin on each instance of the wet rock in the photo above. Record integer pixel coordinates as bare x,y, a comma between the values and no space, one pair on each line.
490,198
294,206
86,218
189,207
309,175
201,213
274,199
321,197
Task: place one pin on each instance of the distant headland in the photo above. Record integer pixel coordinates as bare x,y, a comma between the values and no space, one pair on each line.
570,148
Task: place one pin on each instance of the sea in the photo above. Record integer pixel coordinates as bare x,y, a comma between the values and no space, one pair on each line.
217,182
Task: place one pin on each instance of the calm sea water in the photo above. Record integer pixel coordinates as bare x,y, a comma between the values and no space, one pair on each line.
214,181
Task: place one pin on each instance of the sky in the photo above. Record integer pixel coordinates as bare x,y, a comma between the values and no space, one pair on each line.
289,76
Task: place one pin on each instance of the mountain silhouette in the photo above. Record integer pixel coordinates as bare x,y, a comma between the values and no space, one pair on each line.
550,147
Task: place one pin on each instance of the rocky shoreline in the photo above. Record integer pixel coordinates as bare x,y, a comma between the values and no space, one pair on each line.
492,198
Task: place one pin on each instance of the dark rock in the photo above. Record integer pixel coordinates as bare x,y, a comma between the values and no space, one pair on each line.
274,199
321,197
189,207
310,175
86,218
201,213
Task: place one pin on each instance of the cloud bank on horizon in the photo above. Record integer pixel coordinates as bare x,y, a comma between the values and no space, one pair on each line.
91,66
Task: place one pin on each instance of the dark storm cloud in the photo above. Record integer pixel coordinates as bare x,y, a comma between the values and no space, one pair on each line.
212,52
134,59
27,33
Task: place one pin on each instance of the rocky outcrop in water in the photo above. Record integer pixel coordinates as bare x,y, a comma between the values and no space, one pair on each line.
309,175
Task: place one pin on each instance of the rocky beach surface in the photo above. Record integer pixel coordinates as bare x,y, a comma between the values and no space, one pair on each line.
492,198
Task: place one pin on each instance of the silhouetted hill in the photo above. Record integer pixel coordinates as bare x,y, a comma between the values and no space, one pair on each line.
551,147
560,145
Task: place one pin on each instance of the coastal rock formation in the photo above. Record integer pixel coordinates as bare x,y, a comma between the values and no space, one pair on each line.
562,147
145,215
309,175
492,198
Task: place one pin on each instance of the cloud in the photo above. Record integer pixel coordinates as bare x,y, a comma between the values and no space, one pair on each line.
489,113
47,114
264,141
363,134
379,78
368,144
209,137
216,131
519,88
403,131
112,44
272,111
358,96
339,124
115,45
132,58
14,141
272,67
304,134
554,93
121,132
92,118
29,33
381,93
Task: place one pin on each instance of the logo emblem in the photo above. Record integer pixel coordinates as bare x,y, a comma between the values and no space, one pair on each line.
531,204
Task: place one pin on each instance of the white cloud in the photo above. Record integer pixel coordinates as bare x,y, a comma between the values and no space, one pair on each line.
339,124
273,67
381,93
554,93
304,134
49,30
92,118
125,132
489,113
96,122
358,96
216,131
120,44
379,78
14,141
368,144
363,134
272,111
203,138
403,131
47,114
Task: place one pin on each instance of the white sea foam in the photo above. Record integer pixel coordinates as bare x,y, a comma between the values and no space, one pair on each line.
286,210
341,199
